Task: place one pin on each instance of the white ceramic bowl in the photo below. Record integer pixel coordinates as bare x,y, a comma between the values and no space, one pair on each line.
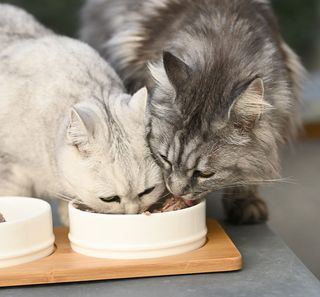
137,236
27,234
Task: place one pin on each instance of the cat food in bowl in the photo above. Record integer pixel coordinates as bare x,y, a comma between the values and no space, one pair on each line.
152,234
2,219
26,232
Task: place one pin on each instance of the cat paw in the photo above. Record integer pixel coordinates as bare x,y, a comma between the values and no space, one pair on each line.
246,211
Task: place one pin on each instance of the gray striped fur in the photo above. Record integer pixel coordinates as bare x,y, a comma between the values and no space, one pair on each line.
215,49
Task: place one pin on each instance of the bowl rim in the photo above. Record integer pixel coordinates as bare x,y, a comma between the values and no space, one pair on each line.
46,207
135,215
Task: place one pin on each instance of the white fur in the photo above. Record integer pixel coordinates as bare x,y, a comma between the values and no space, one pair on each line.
67,127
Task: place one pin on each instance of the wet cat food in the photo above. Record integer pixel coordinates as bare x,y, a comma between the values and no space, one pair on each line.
170,204
2,219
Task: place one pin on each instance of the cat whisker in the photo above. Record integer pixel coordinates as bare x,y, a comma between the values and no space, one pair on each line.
67,198
161,197
159,202
62,197
165,195
264,181
287,180
79,199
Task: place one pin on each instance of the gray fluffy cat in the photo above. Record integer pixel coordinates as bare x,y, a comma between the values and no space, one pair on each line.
66,126
224,90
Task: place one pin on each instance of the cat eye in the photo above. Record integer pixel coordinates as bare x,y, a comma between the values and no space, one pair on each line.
146,192
165,159
198,173
110,199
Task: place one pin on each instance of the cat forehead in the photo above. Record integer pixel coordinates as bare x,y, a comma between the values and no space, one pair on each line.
183,151
167,119
125,147
124,172
130,159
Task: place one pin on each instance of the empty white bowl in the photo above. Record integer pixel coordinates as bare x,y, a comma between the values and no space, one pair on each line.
27,234
137,236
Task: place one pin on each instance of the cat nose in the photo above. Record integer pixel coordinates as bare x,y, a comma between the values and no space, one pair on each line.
178,185
131,207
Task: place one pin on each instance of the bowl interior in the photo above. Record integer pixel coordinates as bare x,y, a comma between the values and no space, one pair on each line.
16,209
93,215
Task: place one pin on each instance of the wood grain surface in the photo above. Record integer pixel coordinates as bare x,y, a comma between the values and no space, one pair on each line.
217,255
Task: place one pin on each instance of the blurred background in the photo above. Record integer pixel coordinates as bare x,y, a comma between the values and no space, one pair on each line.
294,207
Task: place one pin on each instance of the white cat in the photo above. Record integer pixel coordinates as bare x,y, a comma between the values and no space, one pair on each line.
66,126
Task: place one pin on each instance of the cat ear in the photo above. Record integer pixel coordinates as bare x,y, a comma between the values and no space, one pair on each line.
81,127
177,71
138,102
249,106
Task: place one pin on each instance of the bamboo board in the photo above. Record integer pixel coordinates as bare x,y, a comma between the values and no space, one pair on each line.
217,255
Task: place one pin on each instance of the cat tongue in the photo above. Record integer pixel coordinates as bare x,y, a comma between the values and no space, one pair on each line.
188,202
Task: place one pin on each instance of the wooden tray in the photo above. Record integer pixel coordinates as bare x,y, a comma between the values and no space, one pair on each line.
64,265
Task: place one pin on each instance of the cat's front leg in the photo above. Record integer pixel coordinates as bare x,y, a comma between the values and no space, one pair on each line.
242,205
